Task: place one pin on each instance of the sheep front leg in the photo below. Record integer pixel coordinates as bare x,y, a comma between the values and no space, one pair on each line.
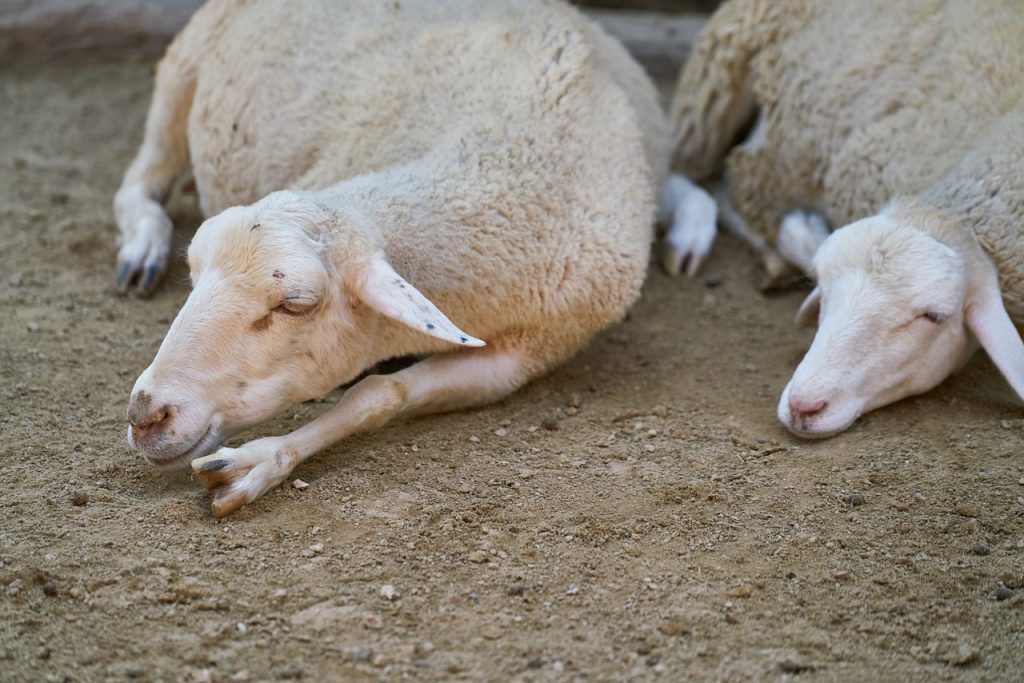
463,379
145,228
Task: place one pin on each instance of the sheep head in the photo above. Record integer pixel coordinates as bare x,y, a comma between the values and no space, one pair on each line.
275,317
898,311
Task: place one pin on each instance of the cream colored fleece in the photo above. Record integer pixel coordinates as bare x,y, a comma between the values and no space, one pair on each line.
505,154
863,103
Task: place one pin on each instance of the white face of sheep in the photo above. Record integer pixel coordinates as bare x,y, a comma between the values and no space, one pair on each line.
270,322
896,311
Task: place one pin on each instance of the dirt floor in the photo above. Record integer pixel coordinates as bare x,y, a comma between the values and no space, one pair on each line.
638,514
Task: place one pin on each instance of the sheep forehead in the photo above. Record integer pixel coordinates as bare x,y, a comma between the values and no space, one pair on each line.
902,263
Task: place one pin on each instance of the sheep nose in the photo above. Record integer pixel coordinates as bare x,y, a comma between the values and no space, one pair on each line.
145,418
801,409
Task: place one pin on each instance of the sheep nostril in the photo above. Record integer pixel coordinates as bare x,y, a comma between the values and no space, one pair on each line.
804,409
151,423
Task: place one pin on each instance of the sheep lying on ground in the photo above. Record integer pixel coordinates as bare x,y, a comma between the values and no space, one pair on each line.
910,114
495,161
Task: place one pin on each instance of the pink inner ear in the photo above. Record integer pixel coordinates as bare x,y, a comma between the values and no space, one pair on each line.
991,324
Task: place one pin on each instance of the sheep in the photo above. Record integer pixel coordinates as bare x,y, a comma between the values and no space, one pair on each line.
366,166
904,121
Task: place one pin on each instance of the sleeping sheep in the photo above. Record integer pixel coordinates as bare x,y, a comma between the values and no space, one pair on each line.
383,179
907,116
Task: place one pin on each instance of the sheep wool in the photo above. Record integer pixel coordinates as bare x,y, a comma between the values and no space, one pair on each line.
855,104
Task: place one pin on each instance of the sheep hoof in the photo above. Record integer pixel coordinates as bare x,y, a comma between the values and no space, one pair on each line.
238,476
142,259
778,274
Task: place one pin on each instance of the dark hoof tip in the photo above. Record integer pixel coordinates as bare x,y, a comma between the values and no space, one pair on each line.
215,466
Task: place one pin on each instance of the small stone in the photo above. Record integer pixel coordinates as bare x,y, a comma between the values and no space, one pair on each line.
1003,593
242,675
964,655
574,400
1021,482
373,622
388,592
379,660
474,439
901,506
659,411
649,448
49,589
841,575
478,557
712,281
740,592
788,666
880,579
453,666
854,499
673,627
534,663
966,511
490,632
572,412
80,499
300,485
33,326
981,549
550,424
501,431
526,474
516,589
241,627
364,654
316,548
573,589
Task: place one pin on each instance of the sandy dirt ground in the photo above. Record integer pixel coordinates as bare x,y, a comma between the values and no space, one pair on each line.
639,514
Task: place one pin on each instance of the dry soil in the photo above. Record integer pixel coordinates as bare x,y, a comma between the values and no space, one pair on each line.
667,527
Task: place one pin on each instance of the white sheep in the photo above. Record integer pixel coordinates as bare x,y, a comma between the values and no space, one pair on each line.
909,116
496,161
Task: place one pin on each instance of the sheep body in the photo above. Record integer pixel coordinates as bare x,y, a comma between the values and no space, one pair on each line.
858,103
907,116
496,159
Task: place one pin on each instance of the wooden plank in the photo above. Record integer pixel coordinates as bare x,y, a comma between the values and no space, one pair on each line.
661,42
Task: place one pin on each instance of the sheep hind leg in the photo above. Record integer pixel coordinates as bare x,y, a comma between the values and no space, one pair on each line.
690,214
440,383
145,228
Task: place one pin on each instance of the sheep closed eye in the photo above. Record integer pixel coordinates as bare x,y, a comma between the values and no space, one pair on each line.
294,308
933,318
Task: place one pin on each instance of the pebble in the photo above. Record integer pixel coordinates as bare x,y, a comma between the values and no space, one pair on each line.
854,499
516,589
478,557
788,666
526,474
573,589
534,663
673,627
373,622
574,400
550,424
379,660
1003,593
501,431
712,281
841,575
80,499
964,654
300,485
981,549
49,589
966,511
474,439
740,592
388,592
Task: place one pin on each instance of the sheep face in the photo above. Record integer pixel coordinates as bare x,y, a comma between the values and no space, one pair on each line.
265,326
890,302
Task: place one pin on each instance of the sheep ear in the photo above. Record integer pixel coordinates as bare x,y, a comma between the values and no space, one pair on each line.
385,291
808,313
988,320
